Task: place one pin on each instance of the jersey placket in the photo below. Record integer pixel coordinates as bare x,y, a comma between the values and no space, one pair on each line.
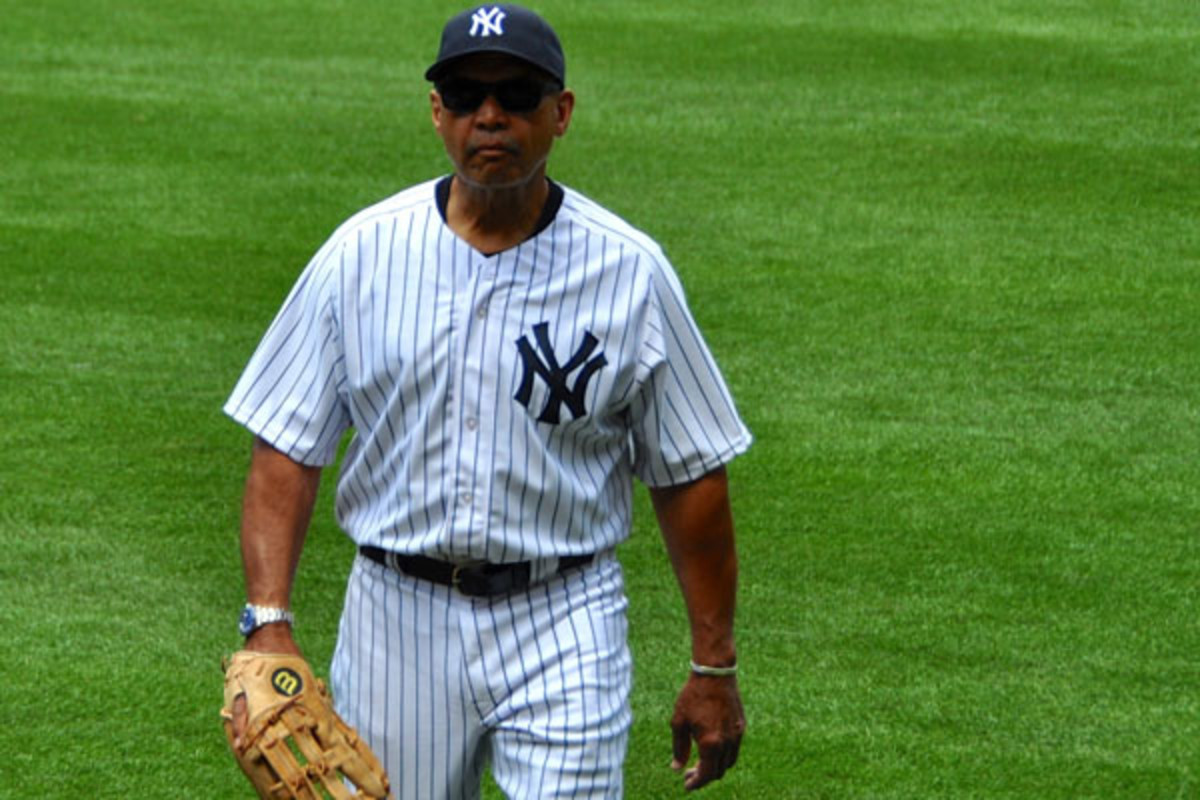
473,390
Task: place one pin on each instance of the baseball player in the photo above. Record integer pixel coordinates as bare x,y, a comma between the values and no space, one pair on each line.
509,356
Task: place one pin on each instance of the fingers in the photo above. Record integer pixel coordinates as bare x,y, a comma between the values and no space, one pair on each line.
717,754
681,744
712,765
731,754
715,758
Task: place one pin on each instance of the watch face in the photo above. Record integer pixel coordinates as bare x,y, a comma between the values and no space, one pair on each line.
246,622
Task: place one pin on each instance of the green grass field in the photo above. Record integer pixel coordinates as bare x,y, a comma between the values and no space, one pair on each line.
948,254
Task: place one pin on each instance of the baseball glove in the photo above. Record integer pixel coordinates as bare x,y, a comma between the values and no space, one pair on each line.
294,744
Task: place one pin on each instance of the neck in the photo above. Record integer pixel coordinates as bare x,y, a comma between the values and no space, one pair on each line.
495,218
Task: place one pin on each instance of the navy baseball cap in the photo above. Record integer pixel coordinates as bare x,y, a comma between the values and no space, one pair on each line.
503,28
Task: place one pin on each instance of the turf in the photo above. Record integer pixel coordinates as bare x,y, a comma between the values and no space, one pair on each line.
947,255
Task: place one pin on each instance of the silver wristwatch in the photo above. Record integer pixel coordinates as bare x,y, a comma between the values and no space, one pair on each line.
254,617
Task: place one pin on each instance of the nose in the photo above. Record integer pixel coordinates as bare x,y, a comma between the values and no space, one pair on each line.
490,114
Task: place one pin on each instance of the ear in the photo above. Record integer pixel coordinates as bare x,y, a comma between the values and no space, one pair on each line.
564,105
436,110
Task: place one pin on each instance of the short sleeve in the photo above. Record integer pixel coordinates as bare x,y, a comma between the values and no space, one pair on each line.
683,418
289,394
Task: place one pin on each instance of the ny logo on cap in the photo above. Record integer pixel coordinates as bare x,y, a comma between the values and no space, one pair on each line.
485,22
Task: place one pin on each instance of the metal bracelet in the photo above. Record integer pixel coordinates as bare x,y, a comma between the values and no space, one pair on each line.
715,672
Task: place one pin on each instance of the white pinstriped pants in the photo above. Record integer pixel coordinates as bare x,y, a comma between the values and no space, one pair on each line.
536,681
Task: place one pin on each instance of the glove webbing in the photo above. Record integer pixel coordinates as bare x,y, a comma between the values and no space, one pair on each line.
306,769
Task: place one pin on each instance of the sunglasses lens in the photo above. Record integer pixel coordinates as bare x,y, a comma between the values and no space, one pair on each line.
519,95
461,96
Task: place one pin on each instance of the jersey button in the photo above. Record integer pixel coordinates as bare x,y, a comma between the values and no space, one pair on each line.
472,423
482,312
466,498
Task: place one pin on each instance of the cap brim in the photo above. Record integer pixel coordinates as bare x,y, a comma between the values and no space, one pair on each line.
439,68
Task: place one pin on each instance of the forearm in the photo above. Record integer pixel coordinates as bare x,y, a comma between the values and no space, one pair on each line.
697,528
276,510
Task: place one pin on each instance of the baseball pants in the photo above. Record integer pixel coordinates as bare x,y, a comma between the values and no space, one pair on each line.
537,682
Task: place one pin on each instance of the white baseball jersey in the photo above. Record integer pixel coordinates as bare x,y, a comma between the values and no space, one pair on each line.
500,404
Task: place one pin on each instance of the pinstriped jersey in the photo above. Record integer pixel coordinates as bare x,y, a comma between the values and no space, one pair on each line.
500,404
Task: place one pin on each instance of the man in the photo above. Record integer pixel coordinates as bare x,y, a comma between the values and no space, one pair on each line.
509,355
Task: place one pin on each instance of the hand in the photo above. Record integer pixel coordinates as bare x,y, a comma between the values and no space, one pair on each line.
709,710
273,638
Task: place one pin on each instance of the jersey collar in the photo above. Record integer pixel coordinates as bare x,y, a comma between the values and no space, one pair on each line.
549,210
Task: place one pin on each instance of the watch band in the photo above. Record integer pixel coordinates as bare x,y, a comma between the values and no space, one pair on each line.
254,617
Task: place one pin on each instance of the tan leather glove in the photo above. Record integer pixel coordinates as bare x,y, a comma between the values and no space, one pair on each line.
294,745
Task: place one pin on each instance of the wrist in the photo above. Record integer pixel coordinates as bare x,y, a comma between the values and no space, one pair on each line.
720,655
275,637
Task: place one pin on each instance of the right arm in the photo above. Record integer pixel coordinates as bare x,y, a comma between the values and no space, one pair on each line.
276,509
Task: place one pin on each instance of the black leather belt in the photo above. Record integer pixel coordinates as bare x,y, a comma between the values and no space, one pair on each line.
475,580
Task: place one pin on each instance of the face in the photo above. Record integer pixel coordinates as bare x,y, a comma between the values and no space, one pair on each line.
492,147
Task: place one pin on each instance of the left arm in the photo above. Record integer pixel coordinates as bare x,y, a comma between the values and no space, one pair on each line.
697,528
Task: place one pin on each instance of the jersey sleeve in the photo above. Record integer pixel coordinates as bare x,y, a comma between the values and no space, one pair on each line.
289,394
683,418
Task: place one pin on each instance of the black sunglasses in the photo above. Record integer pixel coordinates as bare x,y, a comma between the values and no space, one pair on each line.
515,95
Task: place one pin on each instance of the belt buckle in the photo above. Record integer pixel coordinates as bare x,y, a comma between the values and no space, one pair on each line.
470,580
485,580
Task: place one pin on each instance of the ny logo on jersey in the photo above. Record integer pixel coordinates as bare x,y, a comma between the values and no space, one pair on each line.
485,22
556,376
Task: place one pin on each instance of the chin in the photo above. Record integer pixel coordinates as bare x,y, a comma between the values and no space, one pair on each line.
494,180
